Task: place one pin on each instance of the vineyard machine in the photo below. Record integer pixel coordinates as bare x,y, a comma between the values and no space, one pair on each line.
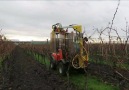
68,48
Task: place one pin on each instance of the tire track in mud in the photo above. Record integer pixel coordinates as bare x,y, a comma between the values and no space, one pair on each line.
22,72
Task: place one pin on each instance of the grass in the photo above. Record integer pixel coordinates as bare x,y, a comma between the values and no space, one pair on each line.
93,83
123,66
41,59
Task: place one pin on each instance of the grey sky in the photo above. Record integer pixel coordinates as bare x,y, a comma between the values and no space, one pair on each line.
27,20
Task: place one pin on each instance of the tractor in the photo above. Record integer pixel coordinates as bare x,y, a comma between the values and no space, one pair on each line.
67,48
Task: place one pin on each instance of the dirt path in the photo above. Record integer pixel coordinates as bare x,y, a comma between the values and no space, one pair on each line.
22,72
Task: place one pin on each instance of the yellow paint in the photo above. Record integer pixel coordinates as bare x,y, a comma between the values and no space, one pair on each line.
78,28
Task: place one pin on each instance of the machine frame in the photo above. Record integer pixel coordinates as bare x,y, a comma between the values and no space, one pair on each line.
61,57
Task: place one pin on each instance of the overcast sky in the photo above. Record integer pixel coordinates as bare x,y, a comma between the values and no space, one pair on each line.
32,20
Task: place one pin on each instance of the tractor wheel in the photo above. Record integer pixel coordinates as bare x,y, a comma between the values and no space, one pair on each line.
62,68
52,65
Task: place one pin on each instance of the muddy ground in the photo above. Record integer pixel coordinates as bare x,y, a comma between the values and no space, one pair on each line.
22,72
114,76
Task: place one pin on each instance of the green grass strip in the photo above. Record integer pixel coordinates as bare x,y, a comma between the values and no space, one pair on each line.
43,60
93,83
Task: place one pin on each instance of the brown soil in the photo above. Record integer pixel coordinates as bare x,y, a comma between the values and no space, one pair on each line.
110,75
22,72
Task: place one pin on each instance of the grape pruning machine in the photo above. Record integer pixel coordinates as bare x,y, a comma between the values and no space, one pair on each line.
68,48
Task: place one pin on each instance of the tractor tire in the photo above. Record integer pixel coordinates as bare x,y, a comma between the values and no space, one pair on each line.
62,68
52,66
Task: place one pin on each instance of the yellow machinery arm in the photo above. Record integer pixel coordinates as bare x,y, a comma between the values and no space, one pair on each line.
78,28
